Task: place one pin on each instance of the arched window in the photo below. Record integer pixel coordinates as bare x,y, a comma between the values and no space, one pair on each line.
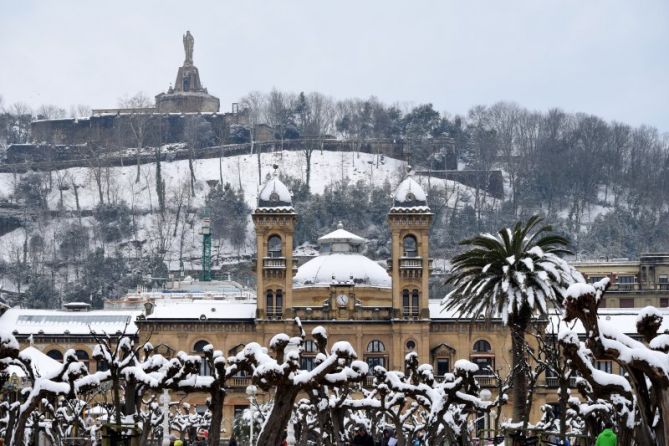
199,348
376,346
414,302
269,301
82,356
482,346
55,354
278,302
274,246
410,246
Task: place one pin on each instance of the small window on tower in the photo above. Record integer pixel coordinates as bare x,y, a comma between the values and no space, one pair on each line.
274,246
410,246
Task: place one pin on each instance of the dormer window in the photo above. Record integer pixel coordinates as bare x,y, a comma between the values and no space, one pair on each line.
274,197
410,196
410,246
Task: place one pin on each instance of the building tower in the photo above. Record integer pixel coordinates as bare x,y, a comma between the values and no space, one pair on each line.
274,221
410,266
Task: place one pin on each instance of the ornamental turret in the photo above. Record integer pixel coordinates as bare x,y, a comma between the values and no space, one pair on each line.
410,266
274,221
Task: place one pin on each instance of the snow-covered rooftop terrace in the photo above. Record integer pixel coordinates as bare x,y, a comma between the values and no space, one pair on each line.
203,310
57,322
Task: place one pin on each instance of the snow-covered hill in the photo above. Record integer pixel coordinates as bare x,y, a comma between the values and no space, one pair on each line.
119,183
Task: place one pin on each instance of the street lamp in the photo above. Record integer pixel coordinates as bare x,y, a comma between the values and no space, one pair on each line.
251,391
485,396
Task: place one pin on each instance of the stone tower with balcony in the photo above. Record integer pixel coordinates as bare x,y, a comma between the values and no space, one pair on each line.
410,266
274,221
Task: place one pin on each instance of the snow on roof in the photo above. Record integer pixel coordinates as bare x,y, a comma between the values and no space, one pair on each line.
57,322
203,310
274,194
341,235
409,194
42,364
340,267
623,319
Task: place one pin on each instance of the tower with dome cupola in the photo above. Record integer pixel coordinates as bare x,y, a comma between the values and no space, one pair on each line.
410,265
274,221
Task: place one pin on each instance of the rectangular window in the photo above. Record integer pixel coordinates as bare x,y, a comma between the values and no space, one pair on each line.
442,367
626,282
604,366
664,302
663,282
308,363
594,279
373,361
626,279
626,302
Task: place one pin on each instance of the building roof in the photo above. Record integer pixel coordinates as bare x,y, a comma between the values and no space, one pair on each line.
410,194
21,321
341,235
275,195
203,310
42,364
327,269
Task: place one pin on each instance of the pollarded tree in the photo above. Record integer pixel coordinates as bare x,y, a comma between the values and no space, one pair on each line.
515,275
645,362
284,375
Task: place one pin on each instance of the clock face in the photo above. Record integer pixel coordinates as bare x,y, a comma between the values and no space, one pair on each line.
342,300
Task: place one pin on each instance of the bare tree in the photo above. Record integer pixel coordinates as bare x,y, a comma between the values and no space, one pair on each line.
141,122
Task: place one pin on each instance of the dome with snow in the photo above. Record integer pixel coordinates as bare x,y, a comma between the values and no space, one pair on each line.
409,194
274,194
340,261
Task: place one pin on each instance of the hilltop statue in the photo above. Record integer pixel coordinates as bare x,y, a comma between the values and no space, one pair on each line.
189,41
187,95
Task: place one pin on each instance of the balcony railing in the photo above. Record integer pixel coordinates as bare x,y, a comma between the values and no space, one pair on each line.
486,380
552,381
238,382
410,312
274,263
359,313
411,263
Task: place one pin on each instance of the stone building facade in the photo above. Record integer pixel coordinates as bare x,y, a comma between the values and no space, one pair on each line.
384,311
634,283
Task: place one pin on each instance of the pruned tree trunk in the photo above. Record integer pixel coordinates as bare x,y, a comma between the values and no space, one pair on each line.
271,434
216,407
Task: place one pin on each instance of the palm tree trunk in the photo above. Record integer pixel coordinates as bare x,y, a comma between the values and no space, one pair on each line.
519,388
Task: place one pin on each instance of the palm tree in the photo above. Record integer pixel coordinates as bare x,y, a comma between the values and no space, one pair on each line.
514,275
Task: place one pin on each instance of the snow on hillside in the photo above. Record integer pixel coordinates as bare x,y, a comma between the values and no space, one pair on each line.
242,170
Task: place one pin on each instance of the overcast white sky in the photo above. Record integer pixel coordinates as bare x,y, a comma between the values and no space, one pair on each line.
609,58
